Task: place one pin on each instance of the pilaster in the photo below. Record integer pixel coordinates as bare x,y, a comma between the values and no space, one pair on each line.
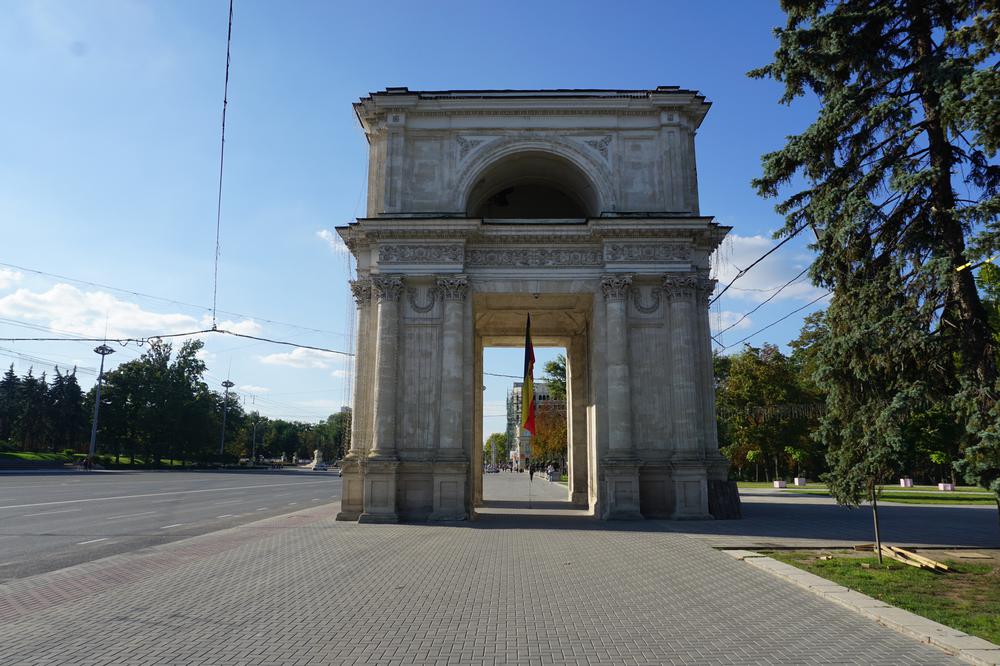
681,290
381,467
621,470
351,504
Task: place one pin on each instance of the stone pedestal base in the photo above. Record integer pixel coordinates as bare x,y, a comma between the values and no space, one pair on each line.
579,498
449,491
380,492
690,492
621,483
351,505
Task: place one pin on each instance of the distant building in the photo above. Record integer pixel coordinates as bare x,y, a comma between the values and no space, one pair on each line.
519,439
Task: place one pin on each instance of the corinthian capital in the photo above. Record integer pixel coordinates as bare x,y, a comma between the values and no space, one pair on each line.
387,288
615,287
681,285
361,289
453,287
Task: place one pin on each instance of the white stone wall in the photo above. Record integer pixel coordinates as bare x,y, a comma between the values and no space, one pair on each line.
427,151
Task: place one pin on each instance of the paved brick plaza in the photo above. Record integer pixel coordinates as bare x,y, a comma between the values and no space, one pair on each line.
527,589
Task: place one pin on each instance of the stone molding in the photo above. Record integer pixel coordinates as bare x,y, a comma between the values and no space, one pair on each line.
453,287
682,285
419,253
615,287
411,298
361,289
534,257
646,309
705,288
387,288
647,252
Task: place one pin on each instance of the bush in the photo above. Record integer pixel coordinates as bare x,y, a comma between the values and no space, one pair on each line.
7,446
69,453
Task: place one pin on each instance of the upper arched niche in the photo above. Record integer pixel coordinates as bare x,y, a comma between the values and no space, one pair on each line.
532,185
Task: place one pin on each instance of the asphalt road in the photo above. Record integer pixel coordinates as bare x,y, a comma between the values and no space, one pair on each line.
54,520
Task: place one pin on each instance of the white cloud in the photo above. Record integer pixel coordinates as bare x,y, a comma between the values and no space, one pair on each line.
302,358
250,388
9,277
340,373
720,321
738,252
87,313
333,240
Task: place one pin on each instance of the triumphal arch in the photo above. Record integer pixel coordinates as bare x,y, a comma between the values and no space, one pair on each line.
579,207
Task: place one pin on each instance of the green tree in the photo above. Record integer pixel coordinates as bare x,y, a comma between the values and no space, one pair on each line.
907,116
67,418
10,394
496,444
555,377
764,412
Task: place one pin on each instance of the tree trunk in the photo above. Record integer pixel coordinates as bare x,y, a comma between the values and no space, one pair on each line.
878,536
962,309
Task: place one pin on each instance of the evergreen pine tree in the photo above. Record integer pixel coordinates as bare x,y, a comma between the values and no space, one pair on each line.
909,118
10,389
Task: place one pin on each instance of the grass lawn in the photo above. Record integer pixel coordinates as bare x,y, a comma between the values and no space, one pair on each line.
34,457
967,599
911,497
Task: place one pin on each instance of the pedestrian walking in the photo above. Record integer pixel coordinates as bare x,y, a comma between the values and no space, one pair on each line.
531,473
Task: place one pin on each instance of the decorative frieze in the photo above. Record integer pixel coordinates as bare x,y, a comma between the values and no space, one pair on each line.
615,287
534,257
424,253
682,285
453,287
386,288
361,289
647,252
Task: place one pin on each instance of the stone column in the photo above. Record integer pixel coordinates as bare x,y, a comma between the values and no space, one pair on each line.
621,470
615,289
361,289
452,290
351,503
688,469
576,402
451,466
382,464
683,360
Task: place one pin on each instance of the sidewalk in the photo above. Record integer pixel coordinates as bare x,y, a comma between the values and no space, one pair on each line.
532,589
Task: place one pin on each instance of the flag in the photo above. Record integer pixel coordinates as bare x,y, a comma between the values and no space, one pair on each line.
528,388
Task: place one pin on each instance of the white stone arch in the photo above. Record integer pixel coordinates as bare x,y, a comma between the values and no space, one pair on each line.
597,174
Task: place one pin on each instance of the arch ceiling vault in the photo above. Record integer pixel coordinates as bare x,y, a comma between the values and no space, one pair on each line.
579,206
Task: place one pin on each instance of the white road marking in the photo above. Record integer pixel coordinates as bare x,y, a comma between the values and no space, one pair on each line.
235,501
174,492
84,543
262,508
225,515
167,527
315,499
130,515
49,513
292,503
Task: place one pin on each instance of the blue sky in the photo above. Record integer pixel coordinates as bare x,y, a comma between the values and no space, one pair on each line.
109,161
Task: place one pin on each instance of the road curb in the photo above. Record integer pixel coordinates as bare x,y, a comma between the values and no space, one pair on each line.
971,649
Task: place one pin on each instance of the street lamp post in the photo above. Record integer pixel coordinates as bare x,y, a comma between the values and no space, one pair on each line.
253,445
225,410
103,350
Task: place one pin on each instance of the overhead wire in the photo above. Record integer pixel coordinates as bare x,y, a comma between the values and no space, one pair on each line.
777,321
222,159
765,302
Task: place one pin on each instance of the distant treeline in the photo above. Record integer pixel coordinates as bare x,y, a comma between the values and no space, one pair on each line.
156,407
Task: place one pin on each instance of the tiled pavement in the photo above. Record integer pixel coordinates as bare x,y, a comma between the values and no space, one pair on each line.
529,589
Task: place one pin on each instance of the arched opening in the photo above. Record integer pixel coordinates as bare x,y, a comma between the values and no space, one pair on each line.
532,185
